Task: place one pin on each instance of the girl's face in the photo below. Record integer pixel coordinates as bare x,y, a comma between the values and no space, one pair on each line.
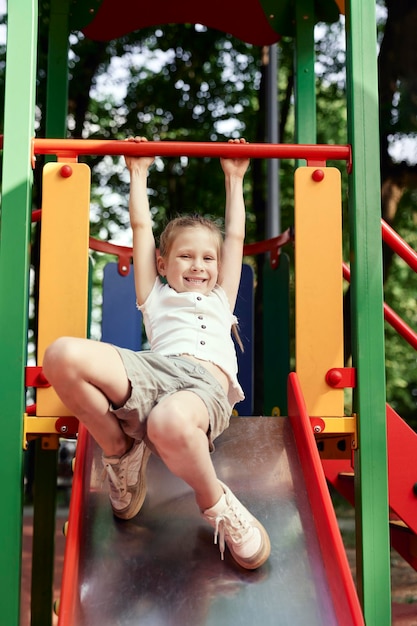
192,264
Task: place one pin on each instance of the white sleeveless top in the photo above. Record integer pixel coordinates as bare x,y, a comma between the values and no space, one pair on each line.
195,324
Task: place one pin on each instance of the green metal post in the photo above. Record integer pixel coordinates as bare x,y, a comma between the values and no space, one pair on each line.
57,78
305,83
46,460
371,472
14,279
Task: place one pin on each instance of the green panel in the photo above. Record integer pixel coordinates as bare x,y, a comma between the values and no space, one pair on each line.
276,335
280,14
82,12
57,83
305,82
14,261
371,473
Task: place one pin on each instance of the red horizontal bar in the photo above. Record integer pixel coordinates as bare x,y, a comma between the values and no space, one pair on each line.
269,245
75,147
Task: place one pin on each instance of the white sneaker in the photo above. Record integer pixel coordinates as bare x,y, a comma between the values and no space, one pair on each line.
245,537
127,480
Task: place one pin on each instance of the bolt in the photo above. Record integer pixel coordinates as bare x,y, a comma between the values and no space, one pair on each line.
317,429
63,429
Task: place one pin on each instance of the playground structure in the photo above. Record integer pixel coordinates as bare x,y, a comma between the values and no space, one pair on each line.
315,389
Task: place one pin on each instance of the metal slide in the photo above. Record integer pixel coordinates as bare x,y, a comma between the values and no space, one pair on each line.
162,569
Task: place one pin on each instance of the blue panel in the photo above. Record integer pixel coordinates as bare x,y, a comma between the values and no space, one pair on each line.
121,321
245,314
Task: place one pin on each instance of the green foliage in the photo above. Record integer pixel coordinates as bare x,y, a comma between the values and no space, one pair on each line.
400,290
178,82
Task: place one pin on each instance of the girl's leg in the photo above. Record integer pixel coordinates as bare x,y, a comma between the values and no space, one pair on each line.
177,428
87,375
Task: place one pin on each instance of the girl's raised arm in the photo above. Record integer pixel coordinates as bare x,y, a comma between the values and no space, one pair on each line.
144,260
235,217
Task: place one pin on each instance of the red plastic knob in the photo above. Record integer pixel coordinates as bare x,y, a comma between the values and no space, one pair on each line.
317,176
334,377
66,171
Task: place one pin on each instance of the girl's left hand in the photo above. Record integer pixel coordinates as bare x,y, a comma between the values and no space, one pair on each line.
131,161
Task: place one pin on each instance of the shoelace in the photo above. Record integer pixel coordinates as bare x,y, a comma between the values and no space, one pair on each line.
115,481
236,525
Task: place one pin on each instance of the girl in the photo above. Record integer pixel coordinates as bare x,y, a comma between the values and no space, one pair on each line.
176,398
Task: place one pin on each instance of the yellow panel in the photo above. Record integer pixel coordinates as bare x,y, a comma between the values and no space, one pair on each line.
318,287
63,295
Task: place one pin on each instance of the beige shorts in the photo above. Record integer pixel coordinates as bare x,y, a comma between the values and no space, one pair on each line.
154,376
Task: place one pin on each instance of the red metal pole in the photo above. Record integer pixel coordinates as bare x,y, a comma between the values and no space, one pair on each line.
399,246
392,318
313,154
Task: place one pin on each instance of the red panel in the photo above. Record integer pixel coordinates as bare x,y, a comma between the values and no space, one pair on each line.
402,476
246,22
402,471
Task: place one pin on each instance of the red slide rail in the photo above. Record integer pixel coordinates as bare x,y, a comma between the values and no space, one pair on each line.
347,605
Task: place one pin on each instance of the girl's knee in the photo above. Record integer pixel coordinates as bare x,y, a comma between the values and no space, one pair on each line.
167,424
60,355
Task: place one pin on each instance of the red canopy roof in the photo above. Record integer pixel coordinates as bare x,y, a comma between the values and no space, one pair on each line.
245,19
258,22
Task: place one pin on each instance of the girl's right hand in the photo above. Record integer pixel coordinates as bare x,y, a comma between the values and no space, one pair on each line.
235,166
142,161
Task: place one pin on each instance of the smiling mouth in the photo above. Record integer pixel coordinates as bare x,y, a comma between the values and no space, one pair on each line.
196,281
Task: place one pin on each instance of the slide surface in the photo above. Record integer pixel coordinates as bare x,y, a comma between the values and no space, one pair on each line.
162,569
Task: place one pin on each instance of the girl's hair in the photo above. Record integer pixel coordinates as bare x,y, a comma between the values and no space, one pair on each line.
187,221
177,224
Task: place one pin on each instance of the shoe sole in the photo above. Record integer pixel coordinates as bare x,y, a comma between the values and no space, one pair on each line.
264,551
260,557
